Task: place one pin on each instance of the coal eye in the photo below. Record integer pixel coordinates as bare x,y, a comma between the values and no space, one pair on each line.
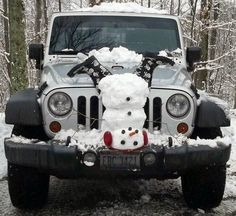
130,128
128,98
129,113
136,131
123,131
122,142
135,143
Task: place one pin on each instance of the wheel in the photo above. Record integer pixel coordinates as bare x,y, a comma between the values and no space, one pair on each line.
28,188
30,132
204,187
206,133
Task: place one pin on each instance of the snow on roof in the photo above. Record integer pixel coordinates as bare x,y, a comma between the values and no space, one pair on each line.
129,7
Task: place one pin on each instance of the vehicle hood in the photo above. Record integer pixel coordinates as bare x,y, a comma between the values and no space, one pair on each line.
55,74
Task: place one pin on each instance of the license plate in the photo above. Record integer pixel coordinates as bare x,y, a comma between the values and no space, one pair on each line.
119,161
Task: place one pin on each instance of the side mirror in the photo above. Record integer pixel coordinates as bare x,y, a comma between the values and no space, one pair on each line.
193,54
36,52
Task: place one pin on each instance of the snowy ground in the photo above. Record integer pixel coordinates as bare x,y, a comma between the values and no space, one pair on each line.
116,197
5,131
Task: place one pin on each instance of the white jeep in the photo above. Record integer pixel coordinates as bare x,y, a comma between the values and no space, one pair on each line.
58,126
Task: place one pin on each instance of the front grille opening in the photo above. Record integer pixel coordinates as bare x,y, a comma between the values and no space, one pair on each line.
82,110
146,110
157,113
94,120
94,112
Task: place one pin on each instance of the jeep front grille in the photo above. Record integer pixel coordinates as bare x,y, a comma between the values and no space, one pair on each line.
90,110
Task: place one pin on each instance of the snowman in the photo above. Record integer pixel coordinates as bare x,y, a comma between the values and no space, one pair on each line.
124,96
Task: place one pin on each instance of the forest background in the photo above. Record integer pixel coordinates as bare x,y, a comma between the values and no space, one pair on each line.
209,24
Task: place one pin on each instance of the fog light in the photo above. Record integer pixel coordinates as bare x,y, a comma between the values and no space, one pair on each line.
182,128
55,126
149,159
89,159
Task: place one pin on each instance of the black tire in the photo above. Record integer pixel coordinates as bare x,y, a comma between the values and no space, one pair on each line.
204,187
28,188
30,132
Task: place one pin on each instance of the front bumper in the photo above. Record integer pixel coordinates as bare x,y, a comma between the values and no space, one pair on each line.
66,162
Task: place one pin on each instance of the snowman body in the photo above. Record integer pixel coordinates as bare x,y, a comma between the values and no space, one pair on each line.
124,96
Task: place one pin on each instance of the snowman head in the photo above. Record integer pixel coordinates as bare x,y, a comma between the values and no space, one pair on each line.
123,91
127,139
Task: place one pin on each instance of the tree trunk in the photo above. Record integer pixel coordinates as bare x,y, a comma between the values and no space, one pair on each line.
201,76
17,45
6,37
179,5
213,38
235,97
45,17
59,5
193,14
38,21
161,4
172,7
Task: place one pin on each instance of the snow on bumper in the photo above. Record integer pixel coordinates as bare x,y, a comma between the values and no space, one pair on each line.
64,161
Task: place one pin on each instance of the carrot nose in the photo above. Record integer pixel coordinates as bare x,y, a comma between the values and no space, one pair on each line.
132,133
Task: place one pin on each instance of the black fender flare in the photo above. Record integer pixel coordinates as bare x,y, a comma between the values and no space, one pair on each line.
210,115
23,108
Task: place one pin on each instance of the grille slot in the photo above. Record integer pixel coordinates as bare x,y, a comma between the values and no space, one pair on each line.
94,112
146,110
157,112
82,110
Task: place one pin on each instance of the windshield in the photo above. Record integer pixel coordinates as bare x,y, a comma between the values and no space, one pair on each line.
73,34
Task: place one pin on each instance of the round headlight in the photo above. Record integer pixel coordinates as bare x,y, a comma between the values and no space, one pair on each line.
178,105
60,104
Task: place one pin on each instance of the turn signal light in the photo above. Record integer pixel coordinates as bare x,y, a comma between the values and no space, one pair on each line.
182,128
107,138
55,126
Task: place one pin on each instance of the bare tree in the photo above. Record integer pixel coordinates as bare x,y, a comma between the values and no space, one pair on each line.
38,20
19,78
45,16
172,7
6,37
201,76
59,5
212,46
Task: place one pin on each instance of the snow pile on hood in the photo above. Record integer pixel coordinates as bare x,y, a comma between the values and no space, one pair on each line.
117,56
129,7
123,86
